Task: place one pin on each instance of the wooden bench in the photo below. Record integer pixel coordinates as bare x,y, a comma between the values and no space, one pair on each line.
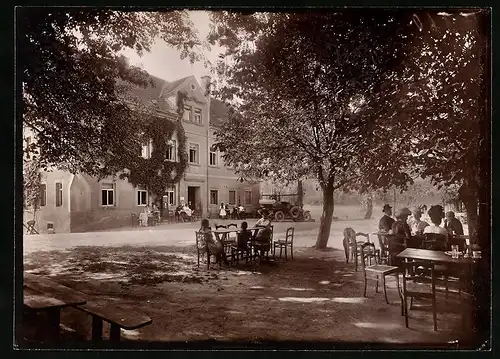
57,295
119,318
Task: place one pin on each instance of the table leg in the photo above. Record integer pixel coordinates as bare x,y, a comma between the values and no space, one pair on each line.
114,334
54,318
96,328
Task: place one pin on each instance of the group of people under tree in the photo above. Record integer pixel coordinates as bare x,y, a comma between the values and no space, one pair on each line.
184,211
415,228
260,239
238,212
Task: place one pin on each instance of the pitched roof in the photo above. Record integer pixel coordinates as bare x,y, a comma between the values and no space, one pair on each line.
170,86
218,111
151,92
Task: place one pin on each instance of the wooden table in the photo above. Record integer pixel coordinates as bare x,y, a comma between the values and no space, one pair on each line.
44,295
433,256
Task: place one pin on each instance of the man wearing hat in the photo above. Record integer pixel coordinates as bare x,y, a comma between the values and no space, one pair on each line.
453,225
385,224
400,227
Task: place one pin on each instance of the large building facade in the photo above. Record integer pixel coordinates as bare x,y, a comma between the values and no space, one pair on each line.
78,202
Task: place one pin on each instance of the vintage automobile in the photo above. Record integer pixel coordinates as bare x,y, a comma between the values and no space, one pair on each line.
281,210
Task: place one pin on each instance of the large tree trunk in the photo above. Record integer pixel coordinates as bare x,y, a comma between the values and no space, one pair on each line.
326,217
369,206
300,194
468,197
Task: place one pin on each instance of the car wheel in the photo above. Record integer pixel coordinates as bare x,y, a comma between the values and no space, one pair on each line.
307,216
279,216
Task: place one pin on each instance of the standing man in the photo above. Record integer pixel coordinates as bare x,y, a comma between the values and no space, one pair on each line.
385,223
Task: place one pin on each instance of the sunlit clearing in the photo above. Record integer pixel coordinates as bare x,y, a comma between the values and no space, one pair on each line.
303,300
298,289
349,300
324,282
370,325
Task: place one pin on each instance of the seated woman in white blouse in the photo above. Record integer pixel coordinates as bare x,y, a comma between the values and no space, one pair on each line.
436,214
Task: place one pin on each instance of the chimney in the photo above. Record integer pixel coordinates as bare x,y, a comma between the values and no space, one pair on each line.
206,84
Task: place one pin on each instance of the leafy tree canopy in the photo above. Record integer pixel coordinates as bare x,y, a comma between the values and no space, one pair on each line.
74,81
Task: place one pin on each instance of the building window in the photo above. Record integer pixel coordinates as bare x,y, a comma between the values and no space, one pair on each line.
108,194
248,197
213,158
171,150
232,197
169,197
187,116
193,153
43,195
146,149
214,194
197,115
142,196
59,194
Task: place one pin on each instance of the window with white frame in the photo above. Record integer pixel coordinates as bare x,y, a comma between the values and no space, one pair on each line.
146,149
187,115
142,196
232,197
213,158
197,115
214,196
169,197
171,150
43,195
108,194
194,152
59,194
248,197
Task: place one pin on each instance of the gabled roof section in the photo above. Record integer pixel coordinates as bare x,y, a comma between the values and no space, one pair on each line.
151,92
171,86
218,111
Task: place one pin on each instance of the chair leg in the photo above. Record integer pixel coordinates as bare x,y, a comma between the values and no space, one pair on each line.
434,314
286,256
406,311
281,251
385,289
291,250
376,286
364,288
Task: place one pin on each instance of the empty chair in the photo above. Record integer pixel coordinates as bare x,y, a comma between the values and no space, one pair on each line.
434,241
285,243
419,281
375,271
352,246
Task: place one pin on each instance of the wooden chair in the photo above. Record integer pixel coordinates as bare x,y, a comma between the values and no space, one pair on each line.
376,271
285,243
202,248
434,241
263,248
30,227
231,237
395,244
240,249
416,274
352,247
384,248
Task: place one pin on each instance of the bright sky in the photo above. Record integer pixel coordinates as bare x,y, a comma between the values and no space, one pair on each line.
165,62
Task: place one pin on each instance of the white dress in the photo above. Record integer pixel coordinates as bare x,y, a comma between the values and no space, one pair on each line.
222,212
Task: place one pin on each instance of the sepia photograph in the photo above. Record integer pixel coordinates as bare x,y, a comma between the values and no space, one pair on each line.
253,178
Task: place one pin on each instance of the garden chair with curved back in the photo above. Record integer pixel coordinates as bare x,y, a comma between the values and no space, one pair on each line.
285,243
201,248
232,236
376,271
352,246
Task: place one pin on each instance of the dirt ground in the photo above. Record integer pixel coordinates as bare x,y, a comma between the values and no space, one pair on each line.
315,297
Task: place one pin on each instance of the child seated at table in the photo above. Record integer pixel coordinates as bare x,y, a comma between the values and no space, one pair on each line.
244,236
214,247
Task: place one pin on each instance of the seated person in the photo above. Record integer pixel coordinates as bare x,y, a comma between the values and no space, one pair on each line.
244,236
187,210
417,225
385,223
214,247
436,213
263,236
400,227
453,225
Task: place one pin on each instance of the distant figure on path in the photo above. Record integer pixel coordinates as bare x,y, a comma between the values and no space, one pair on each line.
385,224
222,212
453,225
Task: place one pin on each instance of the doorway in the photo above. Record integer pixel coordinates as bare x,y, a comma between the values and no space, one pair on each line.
195,198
